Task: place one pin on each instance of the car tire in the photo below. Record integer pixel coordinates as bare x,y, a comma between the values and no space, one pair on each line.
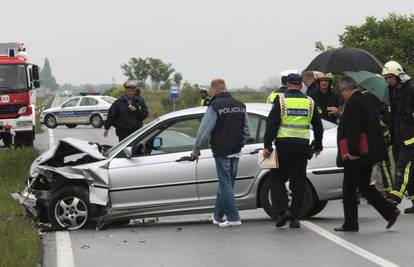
318,206
266,202
63,213
96,121
50,121
71,126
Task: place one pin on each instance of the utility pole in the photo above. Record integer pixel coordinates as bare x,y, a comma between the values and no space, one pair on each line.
113,81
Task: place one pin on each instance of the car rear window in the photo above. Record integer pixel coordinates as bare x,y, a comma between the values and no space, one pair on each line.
109,99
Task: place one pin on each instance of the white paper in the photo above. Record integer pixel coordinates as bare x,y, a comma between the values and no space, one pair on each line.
267,163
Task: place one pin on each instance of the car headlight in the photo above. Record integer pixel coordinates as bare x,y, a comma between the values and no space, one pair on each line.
22,110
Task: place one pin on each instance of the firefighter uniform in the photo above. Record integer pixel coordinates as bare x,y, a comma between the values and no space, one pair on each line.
288,125
402,132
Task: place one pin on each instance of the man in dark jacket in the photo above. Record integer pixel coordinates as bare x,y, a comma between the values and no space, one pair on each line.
325,98
288,125
226,124
127,113
359,118
402,130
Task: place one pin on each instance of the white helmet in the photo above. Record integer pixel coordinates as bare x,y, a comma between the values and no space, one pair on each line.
287,72
392,68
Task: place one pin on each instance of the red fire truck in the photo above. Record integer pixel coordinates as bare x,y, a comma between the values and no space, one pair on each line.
18,79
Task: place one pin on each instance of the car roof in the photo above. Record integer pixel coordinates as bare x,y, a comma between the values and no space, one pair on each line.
256,108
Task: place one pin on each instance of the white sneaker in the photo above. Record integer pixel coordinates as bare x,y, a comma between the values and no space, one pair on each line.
214,220
230,224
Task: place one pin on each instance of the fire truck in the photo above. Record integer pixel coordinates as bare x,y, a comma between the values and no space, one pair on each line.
18,79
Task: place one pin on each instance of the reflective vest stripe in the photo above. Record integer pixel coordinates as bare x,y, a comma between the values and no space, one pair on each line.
292,133
296,126
409,141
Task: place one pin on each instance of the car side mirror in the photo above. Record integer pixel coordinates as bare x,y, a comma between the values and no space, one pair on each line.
127,152
157,143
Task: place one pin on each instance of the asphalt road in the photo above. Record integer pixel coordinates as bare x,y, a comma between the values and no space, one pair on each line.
194,241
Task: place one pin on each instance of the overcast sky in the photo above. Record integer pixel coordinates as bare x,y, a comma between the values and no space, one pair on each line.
243,41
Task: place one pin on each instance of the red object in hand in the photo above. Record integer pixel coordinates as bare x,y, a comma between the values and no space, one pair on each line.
362,145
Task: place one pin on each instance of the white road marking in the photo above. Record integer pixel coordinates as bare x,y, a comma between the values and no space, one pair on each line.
64,253
51,138
348,245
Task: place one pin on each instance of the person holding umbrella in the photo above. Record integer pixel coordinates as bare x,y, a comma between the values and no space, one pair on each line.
402,130
325,99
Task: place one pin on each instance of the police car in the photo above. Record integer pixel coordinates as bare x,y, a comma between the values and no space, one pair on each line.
89,109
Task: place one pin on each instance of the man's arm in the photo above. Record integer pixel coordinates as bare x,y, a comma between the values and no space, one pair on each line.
112,115
353,127
317,130
204,130
272,125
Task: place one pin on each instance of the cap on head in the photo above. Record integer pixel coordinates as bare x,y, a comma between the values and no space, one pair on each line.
294,78
202,89
131,84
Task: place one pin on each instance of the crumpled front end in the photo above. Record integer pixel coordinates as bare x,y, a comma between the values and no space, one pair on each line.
70,162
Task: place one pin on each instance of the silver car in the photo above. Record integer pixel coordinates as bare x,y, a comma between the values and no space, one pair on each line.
79,184
90,109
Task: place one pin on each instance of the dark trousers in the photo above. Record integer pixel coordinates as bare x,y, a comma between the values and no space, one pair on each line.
404,175
359,176
123,133
292,167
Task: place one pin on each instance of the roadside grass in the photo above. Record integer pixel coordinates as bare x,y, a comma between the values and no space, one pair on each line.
19,241
42,103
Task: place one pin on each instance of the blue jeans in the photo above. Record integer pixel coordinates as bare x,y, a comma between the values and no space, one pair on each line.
225,201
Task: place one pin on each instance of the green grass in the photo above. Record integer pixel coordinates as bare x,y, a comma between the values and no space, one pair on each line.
19,241
42,103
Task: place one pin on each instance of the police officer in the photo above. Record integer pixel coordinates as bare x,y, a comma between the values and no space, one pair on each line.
127,113
402,130
205,99
289,122
282,89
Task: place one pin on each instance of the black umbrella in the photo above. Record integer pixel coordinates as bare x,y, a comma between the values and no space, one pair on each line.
345,59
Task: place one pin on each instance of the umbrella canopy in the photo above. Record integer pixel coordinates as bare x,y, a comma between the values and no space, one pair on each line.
345,59
374,83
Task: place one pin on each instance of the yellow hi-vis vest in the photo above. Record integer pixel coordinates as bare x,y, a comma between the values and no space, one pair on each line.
271,97
296,116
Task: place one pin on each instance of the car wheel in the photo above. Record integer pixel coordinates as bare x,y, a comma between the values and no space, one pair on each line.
267,202
96,121
71,126
50,121
317,207
70,208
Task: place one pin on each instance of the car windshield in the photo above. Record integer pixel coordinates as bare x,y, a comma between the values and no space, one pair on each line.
115,149
109,99
12,78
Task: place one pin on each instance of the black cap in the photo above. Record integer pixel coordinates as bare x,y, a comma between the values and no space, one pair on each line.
294,78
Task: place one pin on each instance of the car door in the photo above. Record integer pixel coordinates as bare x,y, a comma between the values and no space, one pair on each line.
152,177
67,113
86,107
207,181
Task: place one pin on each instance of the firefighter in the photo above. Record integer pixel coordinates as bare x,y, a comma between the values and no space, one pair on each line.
402,130
289,122
205,99
326,101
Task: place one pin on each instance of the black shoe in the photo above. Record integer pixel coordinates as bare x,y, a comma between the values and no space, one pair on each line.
294,223
409,210
346,229
282,219
393,218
